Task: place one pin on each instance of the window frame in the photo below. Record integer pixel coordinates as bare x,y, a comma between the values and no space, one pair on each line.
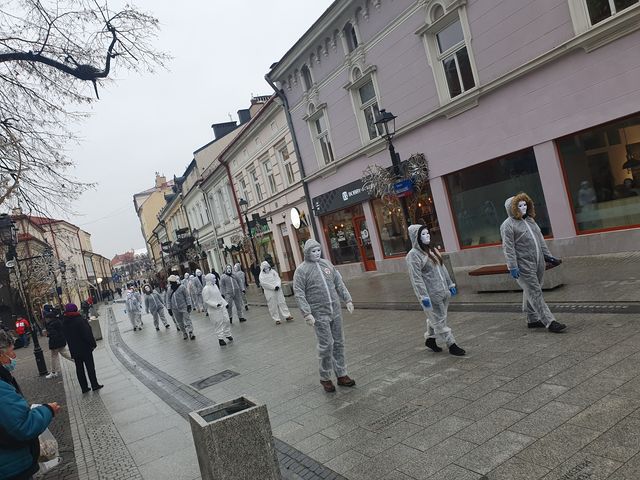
359,108
581,18
269,174
435,58
255,180
307,83
320,112
288,175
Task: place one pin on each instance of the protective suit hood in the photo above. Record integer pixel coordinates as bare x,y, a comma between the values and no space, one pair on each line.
198,272
264,265
308,246
236,267
511,206
414,235
210,279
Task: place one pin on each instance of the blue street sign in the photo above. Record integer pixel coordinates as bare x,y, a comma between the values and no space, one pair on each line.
403,188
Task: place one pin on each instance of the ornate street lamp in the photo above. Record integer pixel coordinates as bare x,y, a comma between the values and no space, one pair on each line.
244,207
9,238
49,259
387,122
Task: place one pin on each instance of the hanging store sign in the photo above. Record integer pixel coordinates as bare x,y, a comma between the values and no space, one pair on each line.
343,197
403,188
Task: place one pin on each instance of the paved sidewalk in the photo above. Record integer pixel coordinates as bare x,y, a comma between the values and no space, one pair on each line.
524,404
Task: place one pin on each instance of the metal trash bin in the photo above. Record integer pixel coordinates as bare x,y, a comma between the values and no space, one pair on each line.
234,441
94,323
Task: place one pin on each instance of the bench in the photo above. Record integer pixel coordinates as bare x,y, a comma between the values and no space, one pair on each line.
496,278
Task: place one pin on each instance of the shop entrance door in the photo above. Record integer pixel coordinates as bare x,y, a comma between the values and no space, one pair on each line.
364,243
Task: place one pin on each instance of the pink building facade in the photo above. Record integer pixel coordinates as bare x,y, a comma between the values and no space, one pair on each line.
500,97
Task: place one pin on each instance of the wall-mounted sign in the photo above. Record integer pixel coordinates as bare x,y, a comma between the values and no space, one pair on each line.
295,218
350,194
403,188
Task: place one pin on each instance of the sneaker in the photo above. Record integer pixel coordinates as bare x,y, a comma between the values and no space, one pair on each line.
289,318
456,350
346,381
431,343
243,319
556,327
185,336
278,322
97,387
52,375
537,324
222,342
328,386
230,339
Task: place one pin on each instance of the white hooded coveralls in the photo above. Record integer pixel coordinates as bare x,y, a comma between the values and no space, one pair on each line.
216,307
430,279
275,298
242,281
232,291
153,304
524,248
134,309
318,288
196,286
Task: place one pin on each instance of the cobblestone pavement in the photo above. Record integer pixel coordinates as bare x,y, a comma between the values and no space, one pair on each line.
524,404
38,389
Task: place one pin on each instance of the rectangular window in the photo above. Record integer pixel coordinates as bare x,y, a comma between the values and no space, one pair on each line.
478,193
242,187
253,176
269,175
222,202
285,160
322,141
453,55
600,10
602,170
369,108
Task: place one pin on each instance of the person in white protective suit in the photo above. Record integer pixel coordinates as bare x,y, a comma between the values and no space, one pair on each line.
217,308
433,286
242,280
179,306
232,292
526,253
196,282
272,286
153,304
134,309
318,288
187,285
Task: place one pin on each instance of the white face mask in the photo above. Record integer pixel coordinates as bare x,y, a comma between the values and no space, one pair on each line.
522,206
425,237
266,269
228,269
316,254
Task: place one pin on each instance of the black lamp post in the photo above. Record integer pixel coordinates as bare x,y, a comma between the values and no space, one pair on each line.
387,121
63,271
244,207
9,238
48,257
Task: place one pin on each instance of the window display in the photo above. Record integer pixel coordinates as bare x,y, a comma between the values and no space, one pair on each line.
477,195
602,169
341,237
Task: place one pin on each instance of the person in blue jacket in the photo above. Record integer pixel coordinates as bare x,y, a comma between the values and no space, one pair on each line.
20,426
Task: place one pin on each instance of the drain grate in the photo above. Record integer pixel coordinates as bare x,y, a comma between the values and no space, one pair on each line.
214,379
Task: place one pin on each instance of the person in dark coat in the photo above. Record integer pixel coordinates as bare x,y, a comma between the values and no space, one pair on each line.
255,271
81,344
57,342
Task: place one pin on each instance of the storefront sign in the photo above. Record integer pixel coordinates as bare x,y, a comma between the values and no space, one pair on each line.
403,188
350,194
295,217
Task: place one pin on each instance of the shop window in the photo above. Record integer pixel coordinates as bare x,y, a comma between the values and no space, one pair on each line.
339,228
602,169
392,226
478,193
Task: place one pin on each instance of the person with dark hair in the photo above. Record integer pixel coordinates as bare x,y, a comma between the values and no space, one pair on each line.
81,344
20,425
57,342
433,287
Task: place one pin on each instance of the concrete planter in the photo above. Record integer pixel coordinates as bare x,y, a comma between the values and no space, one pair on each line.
234,441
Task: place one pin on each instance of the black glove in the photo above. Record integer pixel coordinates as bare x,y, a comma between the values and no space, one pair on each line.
277,288
170,312
223,296
219,305
553,260
188,308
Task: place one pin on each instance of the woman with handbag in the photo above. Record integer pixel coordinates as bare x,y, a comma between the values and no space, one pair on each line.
20,426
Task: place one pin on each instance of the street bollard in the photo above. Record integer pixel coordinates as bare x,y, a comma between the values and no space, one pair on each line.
234,441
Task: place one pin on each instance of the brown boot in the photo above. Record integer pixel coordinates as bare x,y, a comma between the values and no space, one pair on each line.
328,386
346,381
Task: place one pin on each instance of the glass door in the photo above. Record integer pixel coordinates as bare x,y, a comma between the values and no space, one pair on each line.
363,238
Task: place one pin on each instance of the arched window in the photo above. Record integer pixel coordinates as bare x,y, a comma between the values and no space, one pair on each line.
437,12
307,81
356,74
351,36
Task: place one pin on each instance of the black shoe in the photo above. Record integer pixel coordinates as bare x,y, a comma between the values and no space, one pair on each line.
230,320
86,390
556,327
230,339
535,325
246,308
167,326
97,387
185,336
222,343
135,329
456,350
192,336
243,319
431,343
157,329
177,328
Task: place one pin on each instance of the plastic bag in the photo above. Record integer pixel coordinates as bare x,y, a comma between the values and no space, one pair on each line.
48,447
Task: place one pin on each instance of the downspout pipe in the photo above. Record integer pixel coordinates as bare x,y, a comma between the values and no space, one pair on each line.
296,147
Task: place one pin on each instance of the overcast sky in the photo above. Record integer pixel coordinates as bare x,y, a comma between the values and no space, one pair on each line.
143,124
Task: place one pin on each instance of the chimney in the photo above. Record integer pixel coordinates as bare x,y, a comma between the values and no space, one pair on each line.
244,115
161,180
221,129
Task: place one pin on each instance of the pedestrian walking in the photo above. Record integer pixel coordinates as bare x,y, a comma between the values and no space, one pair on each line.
255,271
57,342
79,337
526,252
134,309
153,305
217,308
20,425
22,330
272,286
197,284
187,284
433,286
179,306
318,288
232,291
242,280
